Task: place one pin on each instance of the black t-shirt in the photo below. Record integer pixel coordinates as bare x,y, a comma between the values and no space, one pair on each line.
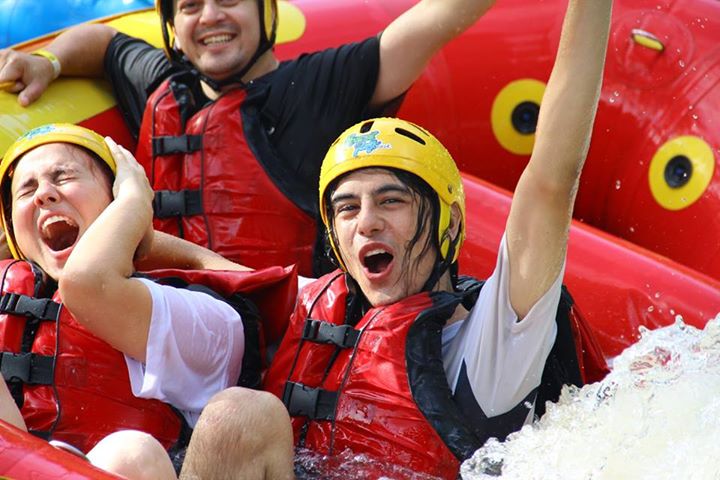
291,115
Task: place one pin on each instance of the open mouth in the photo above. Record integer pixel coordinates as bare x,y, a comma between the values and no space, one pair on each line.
217,39
59,233
377,261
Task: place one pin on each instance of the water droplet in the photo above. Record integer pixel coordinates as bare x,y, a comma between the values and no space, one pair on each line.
657,295
695,116
681,63
632,229
618,184
650,309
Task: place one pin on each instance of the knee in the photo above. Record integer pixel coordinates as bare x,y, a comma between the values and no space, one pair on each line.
245,402
132,454
240,410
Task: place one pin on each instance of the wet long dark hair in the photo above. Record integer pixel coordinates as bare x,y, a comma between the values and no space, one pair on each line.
428,208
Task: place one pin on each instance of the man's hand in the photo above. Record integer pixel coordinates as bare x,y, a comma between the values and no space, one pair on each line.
25,74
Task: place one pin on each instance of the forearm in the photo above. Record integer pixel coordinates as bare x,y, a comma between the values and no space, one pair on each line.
81,50
410,41
171,252
570,102
105,252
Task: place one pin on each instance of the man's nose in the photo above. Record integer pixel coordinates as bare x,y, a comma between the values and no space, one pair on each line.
369,220
211,12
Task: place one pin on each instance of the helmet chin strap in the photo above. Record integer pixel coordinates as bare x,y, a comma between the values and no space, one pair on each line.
439,270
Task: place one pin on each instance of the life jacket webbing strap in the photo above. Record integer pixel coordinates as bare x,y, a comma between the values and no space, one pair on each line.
183,203
318,331
168,145
28,368
313,403
39,308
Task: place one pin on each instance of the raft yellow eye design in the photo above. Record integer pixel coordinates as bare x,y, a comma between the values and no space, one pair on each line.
514,115
681,171
291,23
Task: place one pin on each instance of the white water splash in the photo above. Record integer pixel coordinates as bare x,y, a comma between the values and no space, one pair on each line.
656,416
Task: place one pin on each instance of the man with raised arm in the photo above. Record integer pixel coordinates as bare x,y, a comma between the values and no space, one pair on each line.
395,357
231,139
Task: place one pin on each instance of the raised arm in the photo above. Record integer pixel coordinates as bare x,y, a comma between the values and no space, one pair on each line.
539,221
410,41
80,52
95,283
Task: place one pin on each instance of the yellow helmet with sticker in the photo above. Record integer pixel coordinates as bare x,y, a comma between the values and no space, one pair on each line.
268,26
52,133
402,145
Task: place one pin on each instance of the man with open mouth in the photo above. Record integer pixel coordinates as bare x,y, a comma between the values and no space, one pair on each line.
90,348
395,356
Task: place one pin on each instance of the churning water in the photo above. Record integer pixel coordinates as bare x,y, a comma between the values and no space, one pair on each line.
656,416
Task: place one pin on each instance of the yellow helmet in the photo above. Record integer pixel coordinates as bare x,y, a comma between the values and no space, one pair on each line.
268,27
52,133
399,144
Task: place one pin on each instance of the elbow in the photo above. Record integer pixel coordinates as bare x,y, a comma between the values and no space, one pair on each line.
77,286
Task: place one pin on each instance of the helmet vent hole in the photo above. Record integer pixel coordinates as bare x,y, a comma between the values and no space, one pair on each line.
366,127
410,135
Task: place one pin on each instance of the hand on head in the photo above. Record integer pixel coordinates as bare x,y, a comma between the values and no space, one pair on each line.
131,181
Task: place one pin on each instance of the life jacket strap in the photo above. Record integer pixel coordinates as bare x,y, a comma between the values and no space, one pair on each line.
168,145
310,402
39,308
183,203
318,331
28,368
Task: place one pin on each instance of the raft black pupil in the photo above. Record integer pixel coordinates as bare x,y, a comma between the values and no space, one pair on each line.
678,171
525,117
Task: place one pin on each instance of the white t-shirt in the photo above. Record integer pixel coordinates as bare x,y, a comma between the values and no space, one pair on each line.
504,357
195,349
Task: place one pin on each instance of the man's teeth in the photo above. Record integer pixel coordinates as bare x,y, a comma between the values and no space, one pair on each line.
377,251
217,39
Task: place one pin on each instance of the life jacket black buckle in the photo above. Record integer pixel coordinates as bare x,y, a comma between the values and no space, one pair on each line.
310,402
27,368
318,331
183,203
168,145
39,308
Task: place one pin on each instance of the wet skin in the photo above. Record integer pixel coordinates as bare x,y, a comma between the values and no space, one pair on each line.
218,36
375,217
57,192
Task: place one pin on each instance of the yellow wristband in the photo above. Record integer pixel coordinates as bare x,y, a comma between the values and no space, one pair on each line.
53,60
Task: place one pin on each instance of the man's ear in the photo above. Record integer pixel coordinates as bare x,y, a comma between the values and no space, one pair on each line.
455,221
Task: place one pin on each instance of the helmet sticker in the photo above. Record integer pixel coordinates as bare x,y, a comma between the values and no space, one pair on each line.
365,142
38,131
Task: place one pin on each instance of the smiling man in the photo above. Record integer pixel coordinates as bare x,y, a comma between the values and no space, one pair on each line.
88,348
394,356
231,138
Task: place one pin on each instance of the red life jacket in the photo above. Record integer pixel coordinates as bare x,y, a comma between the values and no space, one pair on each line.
210,187
73,386
379,387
